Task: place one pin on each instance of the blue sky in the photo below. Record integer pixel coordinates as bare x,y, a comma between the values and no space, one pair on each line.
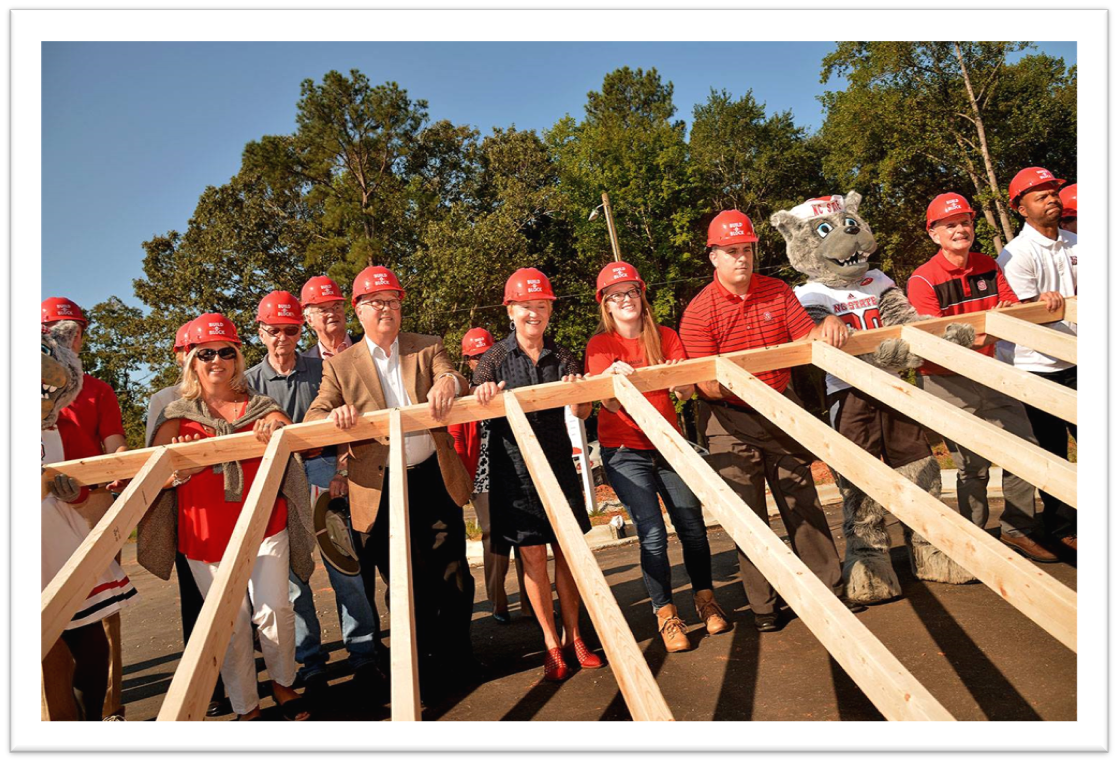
134,132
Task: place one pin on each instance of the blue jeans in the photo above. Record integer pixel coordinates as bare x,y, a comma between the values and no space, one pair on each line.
640,478
359,620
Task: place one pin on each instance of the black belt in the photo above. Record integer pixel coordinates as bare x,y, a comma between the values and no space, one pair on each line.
731,406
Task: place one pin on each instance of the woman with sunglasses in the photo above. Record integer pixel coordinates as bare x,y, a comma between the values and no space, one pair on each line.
517,517
216,400
628,338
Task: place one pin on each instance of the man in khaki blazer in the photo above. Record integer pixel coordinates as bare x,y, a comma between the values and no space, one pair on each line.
389,369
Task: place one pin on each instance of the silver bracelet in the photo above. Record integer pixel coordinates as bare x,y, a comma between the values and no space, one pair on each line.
176,480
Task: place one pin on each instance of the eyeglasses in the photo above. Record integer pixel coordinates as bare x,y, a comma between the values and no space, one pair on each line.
619,296
336,307
381,304
285,330
208,354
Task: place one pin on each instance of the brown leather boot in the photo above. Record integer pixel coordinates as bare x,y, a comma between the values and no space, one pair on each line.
672,629
710,613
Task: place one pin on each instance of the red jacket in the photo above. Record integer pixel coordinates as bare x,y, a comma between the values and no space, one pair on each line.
468,444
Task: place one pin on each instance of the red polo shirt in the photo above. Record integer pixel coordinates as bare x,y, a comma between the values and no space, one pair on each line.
939,289
95,411
718,321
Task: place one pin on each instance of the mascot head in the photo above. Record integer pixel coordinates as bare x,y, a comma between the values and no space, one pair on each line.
62,370
826,238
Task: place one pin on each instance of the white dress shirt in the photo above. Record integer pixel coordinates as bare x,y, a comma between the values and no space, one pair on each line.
418,446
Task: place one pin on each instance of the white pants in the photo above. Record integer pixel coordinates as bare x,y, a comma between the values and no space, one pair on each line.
266,604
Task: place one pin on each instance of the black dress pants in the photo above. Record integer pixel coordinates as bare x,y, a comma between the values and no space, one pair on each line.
1052,435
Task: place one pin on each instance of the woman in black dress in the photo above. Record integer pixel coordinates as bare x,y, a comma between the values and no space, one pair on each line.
517,517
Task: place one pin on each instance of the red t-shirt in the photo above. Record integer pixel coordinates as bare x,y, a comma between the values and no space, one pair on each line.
939,289
718,321
468,444
206,519
617,429
96,411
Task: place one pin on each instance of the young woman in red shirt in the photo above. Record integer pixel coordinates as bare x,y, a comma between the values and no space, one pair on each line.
629,338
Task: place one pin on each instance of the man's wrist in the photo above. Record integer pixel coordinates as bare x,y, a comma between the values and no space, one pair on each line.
343,473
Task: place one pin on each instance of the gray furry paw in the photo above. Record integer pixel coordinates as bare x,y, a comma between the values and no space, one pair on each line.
65,488
959,333
871,579
894,354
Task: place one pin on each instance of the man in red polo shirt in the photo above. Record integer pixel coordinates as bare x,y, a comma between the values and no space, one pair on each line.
954,282
740,310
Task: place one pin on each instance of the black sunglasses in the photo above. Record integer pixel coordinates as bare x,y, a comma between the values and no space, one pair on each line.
285,330
208,354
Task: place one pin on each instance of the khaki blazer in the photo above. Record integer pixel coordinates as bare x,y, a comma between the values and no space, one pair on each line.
351,378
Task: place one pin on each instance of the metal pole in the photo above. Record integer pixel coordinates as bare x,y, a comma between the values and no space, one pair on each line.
612,230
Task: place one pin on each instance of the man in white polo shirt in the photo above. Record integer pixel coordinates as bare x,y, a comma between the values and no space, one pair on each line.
1041,263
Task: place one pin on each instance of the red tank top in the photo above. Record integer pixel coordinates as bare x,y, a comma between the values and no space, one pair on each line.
206,519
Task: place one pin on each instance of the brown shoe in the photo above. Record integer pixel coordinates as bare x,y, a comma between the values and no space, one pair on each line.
672,629
1068,543
1029,548
710,613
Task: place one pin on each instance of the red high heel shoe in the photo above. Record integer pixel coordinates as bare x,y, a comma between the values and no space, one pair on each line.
555,668
585,658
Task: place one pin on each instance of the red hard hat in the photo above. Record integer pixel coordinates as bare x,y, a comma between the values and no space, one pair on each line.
617,272
320,289
476,342
62,309
212,327
1027,178
526,284
947,205
182,336
1069,197
729,228
278,308
374,279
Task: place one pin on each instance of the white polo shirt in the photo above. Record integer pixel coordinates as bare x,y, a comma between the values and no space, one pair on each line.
1034,264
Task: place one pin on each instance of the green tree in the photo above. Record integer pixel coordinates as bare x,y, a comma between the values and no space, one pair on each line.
758,164
629,145
920,118
113,352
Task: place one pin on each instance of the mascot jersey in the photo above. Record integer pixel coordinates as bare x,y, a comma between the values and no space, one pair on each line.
855,306
63,530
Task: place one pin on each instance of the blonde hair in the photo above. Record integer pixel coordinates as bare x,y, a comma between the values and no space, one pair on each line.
191,387
650,330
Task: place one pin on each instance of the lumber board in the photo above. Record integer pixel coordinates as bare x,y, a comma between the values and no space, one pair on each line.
374,425
1029,388
194,680
888,684
1039,338
405,669
66,592
1039,596
1048,472
1071,310
638,686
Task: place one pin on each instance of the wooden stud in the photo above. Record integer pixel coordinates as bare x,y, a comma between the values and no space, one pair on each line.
1039,596
634,678
374,425
1046,340
1071,310
1029,388
885,681
1048,472
405,669
66,592
194,680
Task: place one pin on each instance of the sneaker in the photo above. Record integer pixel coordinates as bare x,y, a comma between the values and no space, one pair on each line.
114,717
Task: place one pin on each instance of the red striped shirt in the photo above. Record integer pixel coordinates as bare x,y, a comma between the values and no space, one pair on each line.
718,321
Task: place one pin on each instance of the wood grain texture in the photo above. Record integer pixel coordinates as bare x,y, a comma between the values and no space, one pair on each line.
1048,472
1046,340
66,592
637,684
194,680
1029,388
405,667
885,681
1040,597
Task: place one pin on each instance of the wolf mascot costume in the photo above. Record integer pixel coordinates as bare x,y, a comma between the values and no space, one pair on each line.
831,244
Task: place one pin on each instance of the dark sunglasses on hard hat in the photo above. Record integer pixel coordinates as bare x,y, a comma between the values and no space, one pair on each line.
285,330
208,354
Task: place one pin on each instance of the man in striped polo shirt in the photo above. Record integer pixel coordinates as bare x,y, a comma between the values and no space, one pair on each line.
740,310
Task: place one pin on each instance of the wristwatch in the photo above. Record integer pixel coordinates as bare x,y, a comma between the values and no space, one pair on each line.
342,473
